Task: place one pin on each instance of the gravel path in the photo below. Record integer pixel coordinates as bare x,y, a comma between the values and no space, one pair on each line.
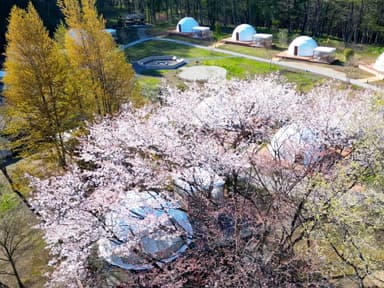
203,73
301,66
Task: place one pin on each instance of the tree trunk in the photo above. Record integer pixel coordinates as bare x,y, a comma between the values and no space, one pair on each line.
18,279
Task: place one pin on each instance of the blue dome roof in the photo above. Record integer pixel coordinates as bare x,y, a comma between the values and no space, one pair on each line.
304,44
186,24
243,32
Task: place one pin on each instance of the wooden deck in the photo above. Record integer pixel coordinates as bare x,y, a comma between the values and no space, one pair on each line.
285,55
243,43
186,34
177,33
370,69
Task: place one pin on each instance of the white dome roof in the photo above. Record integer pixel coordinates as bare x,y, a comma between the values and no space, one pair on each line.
245,31
148,222
379,64
196,180
293,142
186,24
304,44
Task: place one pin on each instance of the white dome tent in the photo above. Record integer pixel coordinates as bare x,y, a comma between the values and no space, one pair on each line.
150,230
244,33
302,46
294,143
186,25
196,180
379,64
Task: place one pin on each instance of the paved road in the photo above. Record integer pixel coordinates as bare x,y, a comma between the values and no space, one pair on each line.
301,66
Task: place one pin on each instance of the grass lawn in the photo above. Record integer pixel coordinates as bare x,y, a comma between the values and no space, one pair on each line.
193,40
236,67
304,81
32,262
241,67
352,72
147,86
258,52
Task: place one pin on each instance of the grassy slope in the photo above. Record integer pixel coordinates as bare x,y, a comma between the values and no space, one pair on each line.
32,264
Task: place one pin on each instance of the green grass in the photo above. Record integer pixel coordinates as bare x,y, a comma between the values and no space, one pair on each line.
150,48
258,52
352,72
148,87
241,67
236,67
304,81
201,42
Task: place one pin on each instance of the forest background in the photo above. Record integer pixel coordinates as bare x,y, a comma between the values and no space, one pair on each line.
352,21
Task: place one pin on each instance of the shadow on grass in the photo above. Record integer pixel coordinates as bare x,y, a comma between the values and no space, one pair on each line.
152,73
337,62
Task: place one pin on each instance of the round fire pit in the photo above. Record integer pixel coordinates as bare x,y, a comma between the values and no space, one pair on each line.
160,62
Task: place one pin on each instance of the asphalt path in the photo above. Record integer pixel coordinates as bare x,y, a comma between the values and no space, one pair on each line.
300,66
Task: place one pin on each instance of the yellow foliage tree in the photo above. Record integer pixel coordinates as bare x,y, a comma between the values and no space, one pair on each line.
39,105
103,78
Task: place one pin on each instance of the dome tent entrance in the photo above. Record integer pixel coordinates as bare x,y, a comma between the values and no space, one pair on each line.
302,46
186,25
243,32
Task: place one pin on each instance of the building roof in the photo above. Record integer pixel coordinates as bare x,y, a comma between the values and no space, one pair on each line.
200,28
305,46
186,25
262,36
245,31
323,49
379,64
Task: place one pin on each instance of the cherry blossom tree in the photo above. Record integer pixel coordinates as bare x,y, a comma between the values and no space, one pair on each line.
219,128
